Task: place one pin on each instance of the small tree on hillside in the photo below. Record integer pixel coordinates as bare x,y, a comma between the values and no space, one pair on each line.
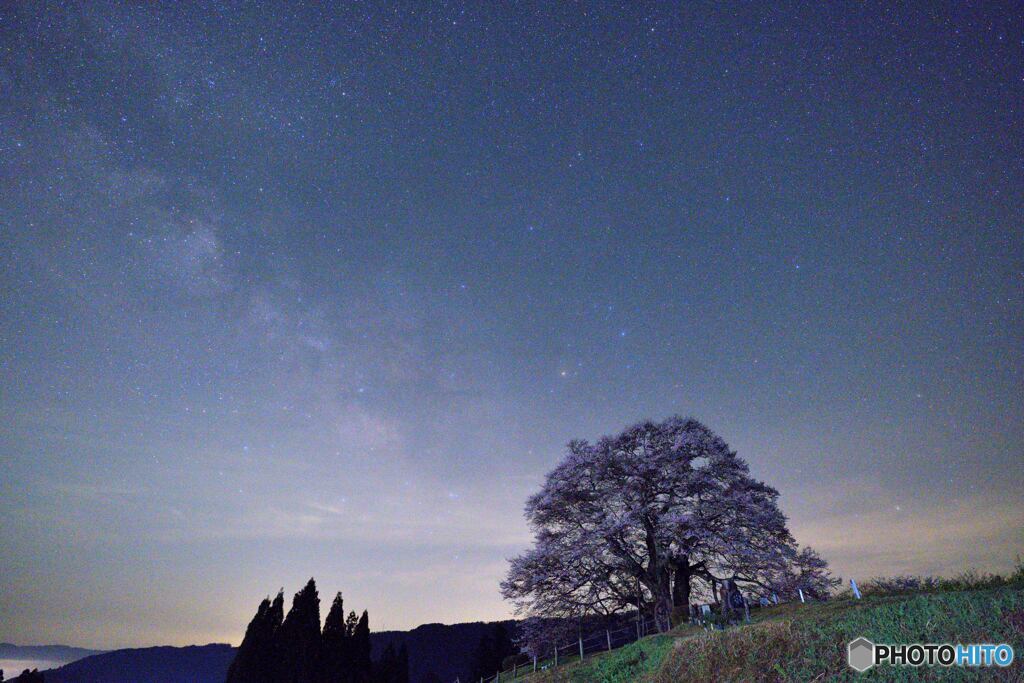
808,572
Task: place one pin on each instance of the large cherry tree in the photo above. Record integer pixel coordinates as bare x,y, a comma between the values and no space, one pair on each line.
638,516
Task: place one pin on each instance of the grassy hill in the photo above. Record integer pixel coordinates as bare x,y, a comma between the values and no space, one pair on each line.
807,642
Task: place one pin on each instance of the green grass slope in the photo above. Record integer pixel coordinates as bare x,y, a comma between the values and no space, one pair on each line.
633,662
808,642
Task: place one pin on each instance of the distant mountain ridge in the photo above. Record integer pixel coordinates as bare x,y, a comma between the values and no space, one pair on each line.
162,664
437,652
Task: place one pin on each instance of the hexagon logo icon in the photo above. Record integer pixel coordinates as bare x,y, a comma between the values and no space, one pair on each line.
860,654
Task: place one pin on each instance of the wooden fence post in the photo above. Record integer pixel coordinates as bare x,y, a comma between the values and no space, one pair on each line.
535,664
581,648
556,656
608,635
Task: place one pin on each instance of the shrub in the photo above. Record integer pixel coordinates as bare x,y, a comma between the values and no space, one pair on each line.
1017,577
970,580
892,585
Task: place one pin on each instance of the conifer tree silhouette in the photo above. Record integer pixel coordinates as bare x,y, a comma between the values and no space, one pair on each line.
256,659
335,645
293,649
298,641
361,662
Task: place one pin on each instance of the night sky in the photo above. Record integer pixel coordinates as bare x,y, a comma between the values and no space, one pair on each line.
294,292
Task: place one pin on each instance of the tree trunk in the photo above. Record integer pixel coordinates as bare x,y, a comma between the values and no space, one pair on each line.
681,583
660,587
658,580
663,604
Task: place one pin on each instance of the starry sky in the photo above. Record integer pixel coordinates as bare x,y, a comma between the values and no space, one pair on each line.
291,291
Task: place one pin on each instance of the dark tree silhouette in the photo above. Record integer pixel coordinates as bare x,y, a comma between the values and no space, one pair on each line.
299,638
393,666
33,676
256,658
361,663
293,649
402,672
335,645
492,649
384,668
